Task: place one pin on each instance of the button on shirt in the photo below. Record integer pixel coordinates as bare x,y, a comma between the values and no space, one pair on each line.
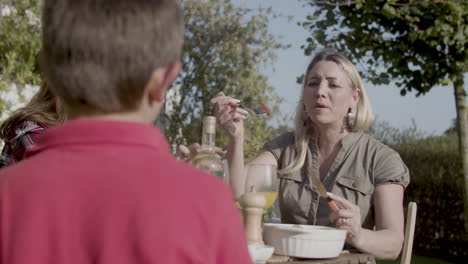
361,164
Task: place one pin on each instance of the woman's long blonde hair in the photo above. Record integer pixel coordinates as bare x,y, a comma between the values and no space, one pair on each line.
303,125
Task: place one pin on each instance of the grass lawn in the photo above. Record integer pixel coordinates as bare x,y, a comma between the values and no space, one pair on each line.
417,260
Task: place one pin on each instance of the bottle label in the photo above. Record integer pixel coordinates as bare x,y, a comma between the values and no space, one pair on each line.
209,125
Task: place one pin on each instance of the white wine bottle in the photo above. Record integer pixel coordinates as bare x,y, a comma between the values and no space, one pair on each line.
207,159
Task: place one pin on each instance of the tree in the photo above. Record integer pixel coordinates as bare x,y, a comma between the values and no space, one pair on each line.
393,136
224,47
417,43
19,43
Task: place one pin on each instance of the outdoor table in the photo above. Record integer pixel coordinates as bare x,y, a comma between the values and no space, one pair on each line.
343,258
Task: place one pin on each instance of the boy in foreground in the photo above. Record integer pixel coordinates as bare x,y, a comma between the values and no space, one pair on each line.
104,188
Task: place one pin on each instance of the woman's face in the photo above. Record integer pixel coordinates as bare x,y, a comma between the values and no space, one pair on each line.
328,95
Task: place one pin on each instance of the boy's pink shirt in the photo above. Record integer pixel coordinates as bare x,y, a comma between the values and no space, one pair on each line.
109,192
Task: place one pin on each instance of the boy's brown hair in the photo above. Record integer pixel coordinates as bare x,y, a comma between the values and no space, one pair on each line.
100,54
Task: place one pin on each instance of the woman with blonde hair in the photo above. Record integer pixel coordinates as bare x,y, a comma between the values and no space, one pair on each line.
27,123
363,176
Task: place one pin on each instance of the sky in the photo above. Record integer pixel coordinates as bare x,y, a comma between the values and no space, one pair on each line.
433,113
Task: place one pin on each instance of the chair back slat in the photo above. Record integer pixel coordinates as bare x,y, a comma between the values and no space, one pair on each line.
409,233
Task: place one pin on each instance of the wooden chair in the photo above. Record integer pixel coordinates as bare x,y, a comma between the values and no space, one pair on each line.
409,233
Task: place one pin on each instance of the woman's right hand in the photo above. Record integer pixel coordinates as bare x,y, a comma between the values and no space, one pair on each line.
229,115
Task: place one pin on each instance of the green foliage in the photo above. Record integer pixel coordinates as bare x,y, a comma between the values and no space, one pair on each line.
224,47
437,187
387,134
418,43
19,44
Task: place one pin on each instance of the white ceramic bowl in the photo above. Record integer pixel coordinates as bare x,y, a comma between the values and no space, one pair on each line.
304,241
260,253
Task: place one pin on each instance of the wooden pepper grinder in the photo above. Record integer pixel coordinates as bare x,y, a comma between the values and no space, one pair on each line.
253,205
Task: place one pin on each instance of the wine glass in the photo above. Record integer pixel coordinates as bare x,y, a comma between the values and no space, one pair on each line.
264,179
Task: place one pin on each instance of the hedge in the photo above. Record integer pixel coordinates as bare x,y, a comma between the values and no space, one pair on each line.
437,187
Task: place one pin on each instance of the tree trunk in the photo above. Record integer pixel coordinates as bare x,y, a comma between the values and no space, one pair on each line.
462,130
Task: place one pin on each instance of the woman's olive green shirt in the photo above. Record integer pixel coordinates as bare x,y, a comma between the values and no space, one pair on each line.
361,164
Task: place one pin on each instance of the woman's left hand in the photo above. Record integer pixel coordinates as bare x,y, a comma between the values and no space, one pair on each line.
348,218
186,154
